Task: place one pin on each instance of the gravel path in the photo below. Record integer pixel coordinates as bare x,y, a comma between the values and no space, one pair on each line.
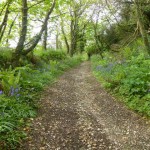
76,113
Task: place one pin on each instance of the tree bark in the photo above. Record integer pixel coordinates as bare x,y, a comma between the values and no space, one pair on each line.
45,37
78,9
64,34
20,45
141,25
65,39
5,19
3,9
10,29
57,40
74,27
96,38
72,39
3,31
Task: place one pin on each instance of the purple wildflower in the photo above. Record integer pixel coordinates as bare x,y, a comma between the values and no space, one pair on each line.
100,67
1,92
2,114
14,91
18,95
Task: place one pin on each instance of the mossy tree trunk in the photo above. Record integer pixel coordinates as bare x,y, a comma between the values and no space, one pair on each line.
141,25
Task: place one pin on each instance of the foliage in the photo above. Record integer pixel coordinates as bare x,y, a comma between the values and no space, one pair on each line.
92,49
12,117
128,78
134,48
50,54
16,107
5,56
83,27
9,80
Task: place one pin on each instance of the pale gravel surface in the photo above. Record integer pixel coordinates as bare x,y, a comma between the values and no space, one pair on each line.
76,113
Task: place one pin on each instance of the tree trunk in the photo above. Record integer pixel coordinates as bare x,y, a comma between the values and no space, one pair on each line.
45,37
38,37
5,19
3,8
65,38
74,24
64,35
82,42
141,25
97,41
3,31
57,40
20,45
10,29
72,39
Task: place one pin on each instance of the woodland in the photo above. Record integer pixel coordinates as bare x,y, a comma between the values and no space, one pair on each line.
41,39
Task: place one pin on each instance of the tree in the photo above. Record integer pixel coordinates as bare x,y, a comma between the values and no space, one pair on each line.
5,19
23,32
21,49
141,25
64,33
45,37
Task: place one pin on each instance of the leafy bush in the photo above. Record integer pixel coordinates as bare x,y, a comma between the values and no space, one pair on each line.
50,54
134,48
128,78
92,49
9,81
56,55
137,77
5,56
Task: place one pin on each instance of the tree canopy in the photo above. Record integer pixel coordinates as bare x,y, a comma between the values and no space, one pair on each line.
74,24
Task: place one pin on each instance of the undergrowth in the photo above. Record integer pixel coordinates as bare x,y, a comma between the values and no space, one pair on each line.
128,78
20,89
5,56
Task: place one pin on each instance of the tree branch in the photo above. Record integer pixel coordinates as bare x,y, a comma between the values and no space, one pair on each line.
36,4
38,37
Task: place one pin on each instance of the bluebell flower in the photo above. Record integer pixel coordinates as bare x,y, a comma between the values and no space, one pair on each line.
2,114
49,67
99,68
18,95
13,91
110,67
1,92
16,90
106,68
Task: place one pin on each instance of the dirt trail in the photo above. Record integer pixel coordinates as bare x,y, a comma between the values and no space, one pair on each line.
77,114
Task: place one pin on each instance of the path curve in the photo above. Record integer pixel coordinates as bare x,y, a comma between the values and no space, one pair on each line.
76,113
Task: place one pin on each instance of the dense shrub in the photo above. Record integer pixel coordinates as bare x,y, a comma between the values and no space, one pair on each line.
134,48
128,78
50,54
5,56
57,55
91,50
